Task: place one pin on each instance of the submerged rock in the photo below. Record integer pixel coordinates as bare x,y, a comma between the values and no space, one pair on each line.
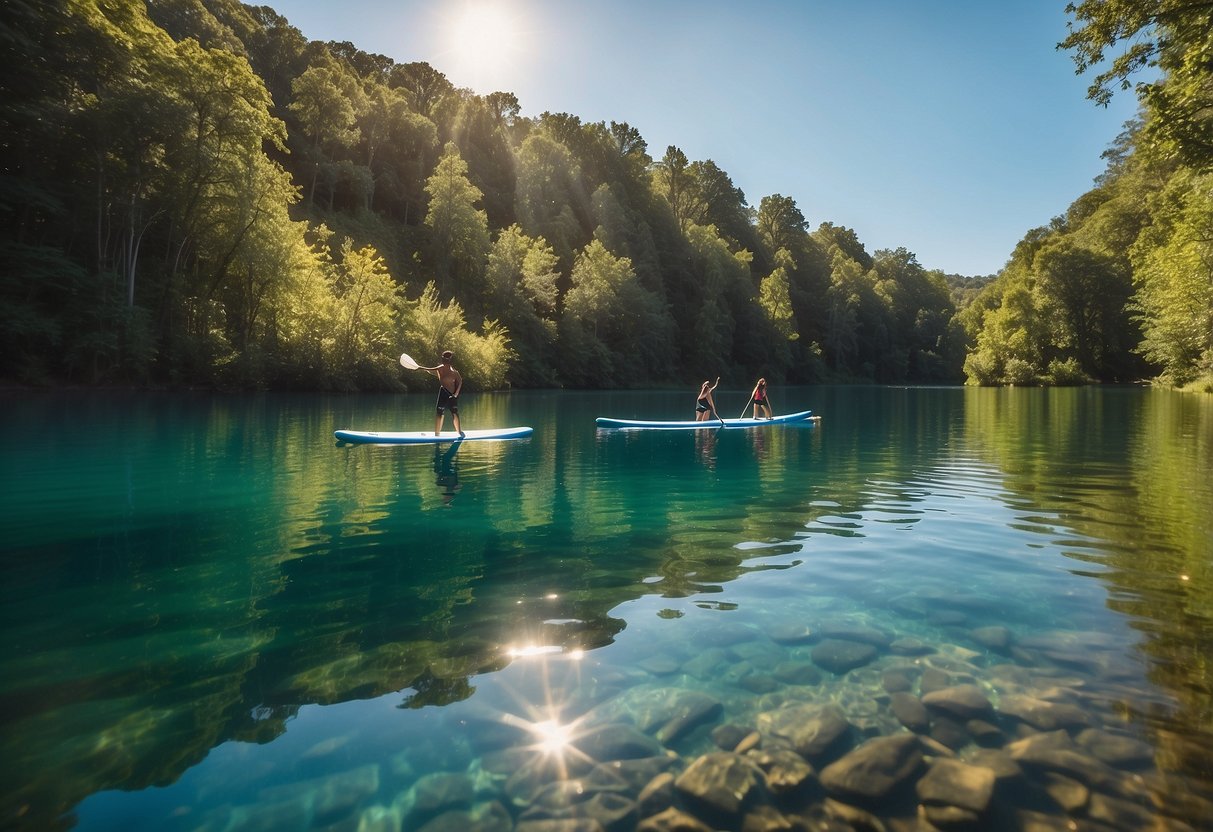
1069,794
1115,749
657,795
436,793
686,711
875,769
953,783
910,712
785,771
487,817
933,679
797,673
792,633
616,742
727,736
1042,715
607,811
838,656
815,732
895,681
856,632
719,785
961,701
910,647
330,798
1056,752
996,638
673,820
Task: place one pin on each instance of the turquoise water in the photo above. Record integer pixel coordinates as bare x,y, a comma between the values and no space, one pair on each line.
215,617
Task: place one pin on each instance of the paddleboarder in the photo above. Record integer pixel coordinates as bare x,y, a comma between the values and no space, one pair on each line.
759,398
705,406
448,393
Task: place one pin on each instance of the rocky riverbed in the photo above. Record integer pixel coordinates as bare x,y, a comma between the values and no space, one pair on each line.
837,725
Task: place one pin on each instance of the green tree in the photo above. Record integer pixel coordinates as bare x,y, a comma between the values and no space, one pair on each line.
548,193
775,296
1083,295
326,101
1173,275
520,278
1174,35
459,233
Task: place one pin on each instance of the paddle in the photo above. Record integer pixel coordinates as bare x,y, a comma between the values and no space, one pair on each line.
407,362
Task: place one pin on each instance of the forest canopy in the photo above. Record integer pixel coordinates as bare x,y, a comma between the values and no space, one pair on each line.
195,194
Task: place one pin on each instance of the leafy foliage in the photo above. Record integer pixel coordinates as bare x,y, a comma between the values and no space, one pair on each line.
197,194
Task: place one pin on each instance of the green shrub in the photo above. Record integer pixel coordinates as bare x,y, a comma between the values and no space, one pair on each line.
1066,373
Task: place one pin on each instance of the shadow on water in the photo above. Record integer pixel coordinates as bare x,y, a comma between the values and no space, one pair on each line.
225,567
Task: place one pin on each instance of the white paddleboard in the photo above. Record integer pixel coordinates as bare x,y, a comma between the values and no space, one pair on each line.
427,437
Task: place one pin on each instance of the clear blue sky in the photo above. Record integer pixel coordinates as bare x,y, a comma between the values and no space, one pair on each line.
948,128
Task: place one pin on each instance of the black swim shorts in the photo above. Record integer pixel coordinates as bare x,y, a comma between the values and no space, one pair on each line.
446,399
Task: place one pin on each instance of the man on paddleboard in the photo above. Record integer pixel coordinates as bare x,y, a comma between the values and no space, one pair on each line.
448,393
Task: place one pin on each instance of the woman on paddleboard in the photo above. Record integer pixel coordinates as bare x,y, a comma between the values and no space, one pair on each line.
705,407
759,398
448,393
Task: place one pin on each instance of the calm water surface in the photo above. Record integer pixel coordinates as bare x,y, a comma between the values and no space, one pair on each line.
215,617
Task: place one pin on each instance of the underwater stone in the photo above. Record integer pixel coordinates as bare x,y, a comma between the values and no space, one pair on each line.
813,731
910,712
379,818
996,638
1005,769
910,647
704,665
791,633
559,825
1056,752
486,817
728,735
1120,814
933,679
266,817
950,732
1068,793
785,771
962,701
657,795
856,632
953,783
797,673
659,665
672,820
985,734
947,617
617,742
766,819
606,811
875,769
932,817
854,817
634,773
759,683
1115,749
838,656
690,710
1042,715
894,681
435,793
332,797
750,741
719,785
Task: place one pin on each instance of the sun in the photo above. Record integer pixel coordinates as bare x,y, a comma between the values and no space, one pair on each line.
485,40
